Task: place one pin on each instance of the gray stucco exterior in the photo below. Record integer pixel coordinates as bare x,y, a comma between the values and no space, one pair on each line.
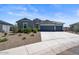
42,25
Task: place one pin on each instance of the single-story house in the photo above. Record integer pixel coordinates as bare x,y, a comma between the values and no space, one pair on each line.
5,26
43,25
74,27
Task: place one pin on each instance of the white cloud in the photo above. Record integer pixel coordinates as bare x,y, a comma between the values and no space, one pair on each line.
13,8
33,8
20,8
20,14
11,13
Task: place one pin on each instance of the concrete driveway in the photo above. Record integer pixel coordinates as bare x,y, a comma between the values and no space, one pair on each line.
52,43
56,35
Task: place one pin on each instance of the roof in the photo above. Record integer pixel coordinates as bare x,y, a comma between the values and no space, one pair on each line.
50,22
74,24
5,23
23,19
37,20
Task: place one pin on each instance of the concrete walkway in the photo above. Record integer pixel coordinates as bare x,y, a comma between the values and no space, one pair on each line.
52,43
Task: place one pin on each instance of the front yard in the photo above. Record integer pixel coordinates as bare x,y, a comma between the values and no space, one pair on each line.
18,39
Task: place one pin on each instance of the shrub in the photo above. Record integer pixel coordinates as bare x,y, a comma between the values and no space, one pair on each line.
35,30
5,34
32,35
28,30
23,38
3,39
19,35
19,31
24,30
38,29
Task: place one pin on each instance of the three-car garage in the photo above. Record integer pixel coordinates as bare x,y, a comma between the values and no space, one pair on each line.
50,28
47,28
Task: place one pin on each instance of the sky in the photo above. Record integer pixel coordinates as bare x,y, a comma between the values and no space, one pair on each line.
67,13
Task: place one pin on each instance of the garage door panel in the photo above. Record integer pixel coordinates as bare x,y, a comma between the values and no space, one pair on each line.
58,28
46,28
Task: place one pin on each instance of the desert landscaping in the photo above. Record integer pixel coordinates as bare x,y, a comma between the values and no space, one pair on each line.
12,40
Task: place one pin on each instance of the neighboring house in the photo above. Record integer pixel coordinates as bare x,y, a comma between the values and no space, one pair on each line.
42,25
4,26
74,27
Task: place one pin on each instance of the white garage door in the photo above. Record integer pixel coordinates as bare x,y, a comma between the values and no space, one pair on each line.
6,28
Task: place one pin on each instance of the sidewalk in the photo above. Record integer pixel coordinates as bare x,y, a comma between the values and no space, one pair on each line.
72,51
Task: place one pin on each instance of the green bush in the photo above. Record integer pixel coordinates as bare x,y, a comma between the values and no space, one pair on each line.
3,39
35,30
28,30
5,34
